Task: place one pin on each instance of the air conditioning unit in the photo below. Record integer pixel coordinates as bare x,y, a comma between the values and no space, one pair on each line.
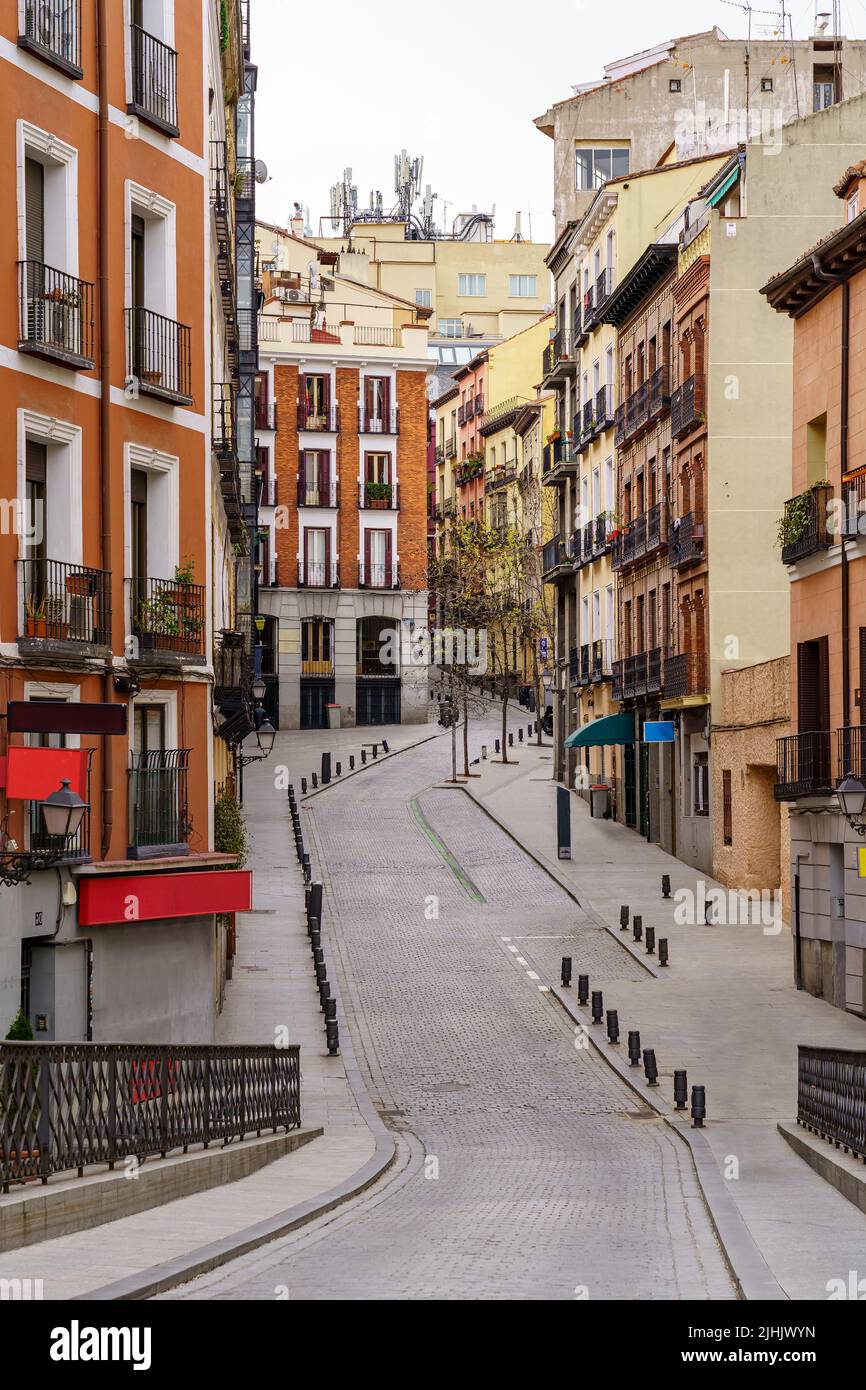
294,296
326,283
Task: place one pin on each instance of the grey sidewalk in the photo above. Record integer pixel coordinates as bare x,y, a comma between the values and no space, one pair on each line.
726,1010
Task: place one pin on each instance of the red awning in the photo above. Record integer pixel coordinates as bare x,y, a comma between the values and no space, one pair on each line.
32,774
151,897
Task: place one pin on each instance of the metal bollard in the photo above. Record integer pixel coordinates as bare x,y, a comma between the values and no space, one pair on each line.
650,940
316,893
318,957
663,950
681,1089
496,745
634,1049
351,762
637,927
529,731
375,750
315,780
623,918
566,971
326,769
304,786
520,735
484,752
363,756
650,1068
666,885
332,1032
385,748
612,1026
510,740
597,1006
339,769
582,989
699,1106
315,934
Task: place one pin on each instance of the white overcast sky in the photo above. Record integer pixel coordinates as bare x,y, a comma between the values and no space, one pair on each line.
352,82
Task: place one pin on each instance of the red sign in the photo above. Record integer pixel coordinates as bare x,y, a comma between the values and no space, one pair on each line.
151,897
32,774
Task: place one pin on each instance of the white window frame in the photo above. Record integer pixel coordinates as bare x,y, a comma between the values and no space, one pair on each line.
424,298
168,700
29,138
445,326
50,431
167,466
141,201
471,276
518,292
165,8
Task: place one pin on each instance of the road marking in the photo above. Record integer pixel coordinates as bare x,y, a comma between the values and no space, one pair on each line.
459,873
513,949
532,975
520,960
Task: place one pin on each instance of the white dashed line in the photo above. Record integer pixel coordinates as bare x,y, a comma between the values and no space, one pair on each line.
532,975
520,960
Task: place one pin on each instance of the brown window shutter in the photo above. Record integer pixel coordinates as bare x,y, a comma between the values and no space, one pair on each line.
863,675
34,209
327,556
824,683
367,555
305,551
388,558
324,478
807,687
386,398
326,394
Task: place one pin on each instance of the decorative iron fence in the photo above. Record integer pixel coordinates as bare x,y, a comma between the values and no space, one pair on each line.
168,616
71,1106
154,80
158,798
66,603
803,765
159,355
831,1095
55,314
52,28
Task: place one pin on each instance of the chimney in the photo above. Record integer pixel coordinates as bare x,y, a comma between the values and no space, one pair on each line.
297,224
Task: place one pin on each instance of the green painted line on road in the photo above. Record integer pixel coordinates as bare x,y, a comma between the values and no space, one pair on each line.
459,873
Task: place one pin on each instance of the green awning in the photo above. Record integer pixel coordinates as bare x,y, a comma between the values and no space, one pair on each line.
727,183
613,728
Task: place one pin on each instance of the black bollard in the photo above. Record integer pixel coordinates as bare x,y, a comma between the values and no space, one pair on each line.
663,950
529,731
510,740
332,1031
634,1049
351,762
318,957
315,780
363,756
699,1106
637,927
597,1006
666,885
385,748
326,769
681,1089
582,989
623,918
339,769
612,1026
375,750
315,909
650,940
650,1068
304,786
315,935
496,745
566,971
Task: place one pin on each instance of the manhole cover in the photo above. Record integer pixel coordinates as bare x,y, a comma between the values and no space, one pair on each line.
449,1086
639,1115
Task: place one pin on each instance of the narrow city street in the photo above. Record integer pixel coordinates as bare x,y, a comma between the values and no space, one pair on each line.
524,1168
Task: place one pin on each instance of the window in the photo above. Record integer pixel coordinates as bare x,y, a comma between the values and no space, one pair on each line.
377,559
52,30
593,167
766,86
424,298
377,468
852,207
316,557
701,783
451,328
523,286
315,488
675,84
727,808
472,286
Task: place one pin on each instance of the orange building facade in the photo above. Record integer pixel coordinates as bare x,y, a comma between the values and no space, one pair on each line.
822,539
109,585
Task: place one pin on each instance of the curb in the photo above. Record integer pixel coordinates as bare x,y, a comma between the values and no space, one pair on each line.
752,1275
365,767
623,942
840,1169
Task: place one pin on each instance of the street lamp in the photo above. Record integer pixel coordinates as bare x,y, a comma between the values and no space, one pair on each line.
62,814
63,811
852,800
259,690
266,733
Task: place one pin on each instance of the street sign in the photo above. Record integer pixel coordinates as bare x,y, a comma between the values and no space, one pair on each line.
543,647
659,731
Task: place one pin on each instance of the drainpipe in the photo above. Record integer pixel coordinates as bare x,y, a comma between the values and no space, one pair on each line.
105,385
822,274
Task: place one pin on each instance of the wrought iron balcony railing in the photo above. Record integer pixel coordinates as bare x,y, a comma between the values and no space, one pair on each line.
265,414
803,765
851,753
451,447
167,617
659,391
52,30
327,420
831,1095
807,525
159,802
378,576
686,674
603,288
55,315
382,422
224,422
318,495
65,603
318,574
379,496
604,412
686,540
555,556
159,356
154,81
688,405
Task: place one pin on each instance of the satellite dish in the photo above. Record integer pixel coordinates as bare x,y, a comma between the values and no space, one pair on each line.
261,171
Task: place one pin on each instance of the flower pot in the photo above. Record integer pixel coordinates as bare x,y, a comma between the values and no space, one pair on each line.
83,585
35,627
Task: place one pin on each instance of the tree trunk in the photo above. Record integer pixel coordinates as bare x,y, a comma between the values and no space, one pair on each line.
453,736
466,728
504,720
539,693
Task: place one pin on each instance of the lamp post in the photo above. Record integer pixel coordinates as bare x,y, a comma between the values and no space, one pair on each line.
62,814
852,800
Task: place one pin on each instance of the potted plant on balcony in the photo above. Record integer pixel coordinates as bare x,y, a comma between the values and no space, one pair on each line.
34,622
378,495
82,584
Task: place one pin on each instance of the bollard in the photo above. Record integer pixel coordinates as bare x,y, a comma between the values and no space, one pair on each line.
510,740
663,950
315,935
612,1026
681,1090
650,940
634,1049
331,1011
623,918
666,885
332,1033
351,762
385,748
321,973
582,989
339,769
637,927
566,971
699,1106
304,786
520,735
375,750
315,780
484,752
650,1068
597,1006
326,769
363,756
324,993
318,957
316,891
529,731
496,745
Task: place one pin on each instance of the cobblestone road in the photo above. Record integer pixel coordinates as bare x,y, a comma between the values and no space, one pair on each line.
525,1168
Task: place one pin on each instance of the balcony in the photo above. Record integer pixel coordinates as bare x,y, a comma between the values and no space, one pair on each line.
688,406
448,506
451,447
686,540
159,356
382,422
601,659
380,497
603,289
644,536
55,316
154,82
659,392
159,822
501,475
318,574
265,414
685,675
167,616
327,421
604,412
617,673
584,664
67,609
555,561
52,31
378,576
558,357
574,666
588,311
224,437
806,526
318,494
654,671
803,765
